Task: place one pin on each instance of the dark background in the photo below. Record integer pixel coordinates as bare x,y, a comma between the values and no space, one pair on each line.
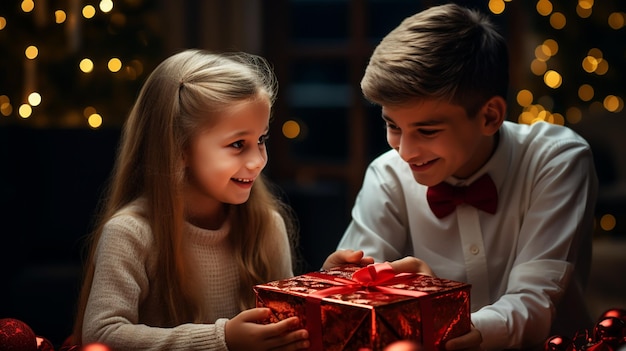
53,165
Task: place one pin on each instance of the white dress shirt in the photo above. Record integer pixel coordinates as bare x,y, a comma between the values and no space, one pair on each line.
527,264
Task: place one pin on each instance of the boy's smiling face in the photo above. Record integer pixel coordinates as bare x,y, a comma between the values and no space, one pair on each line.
439,140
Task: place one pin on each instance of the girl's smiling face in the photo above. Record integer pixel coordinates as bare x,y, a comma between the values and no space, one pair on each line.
439,140
225,159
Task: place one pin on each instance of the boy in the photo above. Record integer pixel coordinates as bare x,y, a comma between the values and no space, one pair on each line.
441,78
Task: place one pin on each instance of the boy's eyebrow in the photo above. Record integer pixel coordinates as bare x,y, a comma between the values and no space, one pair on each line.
426,123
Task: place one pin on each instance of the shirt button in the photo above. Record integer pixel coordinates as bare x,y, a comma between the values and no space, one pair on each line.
474,249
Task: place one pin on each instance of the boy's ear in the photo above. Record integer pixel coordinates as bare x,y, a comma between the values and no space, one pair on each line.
494,113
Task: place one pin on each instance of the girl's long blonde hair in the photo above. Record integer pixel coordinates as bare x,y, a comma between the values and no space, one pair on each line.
176,102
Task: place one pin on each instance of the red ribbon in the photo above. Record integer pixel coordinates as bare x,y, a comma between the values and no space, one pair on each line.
371,277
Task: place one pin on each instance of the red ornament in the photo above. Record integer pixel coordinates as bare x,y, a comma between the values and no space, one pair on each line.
16,335
558,343
614,312
610,330
44,344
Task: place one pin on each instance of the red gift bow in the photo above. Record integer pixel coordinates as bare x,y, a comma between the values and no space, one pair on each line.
371,277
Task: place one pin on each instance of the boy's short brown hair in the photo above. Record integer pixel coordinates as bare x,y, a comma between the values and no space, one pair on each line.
446,52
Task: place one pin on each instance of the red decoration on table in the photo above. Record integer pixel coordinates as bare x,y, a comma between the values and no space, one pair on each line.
16,335
558,343
44,344
609,334
353,308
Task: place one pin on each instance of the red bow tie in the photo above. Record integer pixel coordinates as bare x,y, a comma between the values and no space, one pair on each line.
482,194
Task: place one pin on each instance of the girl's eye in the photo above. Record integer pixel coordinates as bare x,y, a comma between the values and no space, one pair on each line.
429,132
237,144
263,139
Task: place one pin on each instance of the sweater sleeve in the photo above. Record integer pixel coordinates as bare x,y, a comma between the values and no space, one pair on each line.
121,283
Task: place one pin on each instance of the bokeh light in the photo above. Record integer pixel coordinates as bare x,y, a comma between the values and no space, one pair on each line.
86,65
34,99
89,11
31,52
291,129
60,16
95,120
114,64
552,79
558,20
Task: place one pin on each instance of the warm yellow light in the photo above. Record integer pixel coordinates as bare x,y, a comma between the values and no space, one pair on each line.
558,20
538,67
541,53
95,120
60,16
550,47
4,98
544,7
25,110
585,4
558,119
114,64
496,6
590,64
34,99
573,115
6,108
106,5
31,52
524,97
603,67
608,222
88,111
595,52
613,103
552,79
585,92
583,12
86,65
3,22
89,11
616,20
28,5
526,117
291,129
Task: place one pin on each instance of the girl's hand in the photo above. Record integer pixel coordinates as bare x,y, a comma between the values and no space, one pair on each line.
411,264
470,341
343,257
243,332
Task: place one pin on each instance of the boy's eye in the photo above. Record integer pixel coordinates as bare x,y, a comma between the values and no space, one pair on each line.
263,139
390,126
429,132
237,144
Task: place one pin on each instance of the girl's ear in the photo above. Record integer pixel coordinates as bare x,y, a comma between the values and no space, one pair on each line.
494,113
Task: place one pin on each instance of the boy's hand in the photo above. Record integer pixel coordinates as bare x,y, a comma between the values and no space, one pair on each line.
411,264
470,341
243,332
343,257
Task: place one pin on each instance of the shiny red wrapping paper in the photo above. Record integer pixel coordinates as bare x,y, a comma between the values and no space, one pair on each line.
345,314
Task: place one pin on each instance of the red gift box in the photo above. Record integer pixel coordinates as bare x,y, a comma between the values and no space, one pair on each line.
355,308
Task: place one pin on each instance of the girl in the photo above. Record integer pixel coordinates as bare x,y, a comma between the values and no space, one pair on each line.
188,225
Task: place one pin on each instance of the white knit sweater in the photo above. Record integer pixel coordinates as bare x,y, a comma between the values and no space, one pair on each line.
122,311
